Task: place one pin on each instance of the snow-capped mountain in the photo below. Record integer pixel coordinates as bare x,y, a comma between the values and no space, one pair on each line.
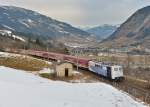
103,31
25,21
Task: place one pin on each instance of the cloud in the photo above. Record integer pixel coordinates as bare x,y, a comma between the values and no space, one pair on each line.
83,12
64,10
109,11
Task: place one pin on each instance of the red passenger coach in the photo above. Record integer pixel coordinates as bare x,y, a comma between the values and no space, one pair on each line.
80,61
113,72
55,56
83,63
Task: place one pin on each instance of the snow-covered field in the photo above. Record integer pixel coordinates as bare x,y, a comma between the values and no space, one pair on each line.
5,54
21,89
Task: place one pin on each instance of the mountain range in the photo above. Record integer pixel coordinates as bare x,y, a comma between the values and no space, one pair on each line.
134,32
32,24
24,23
102,32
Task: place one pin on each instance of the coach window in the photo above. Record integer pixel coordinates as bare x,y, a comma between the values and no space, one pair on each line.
96,65
101,67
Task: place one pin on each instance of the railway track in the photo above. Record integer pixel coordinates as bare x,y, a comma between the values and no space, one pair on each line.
134,89
128,85
137,91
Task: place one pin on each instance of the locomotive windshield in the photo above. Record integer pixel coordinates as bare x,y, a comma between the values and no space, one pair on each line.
115,69
118,69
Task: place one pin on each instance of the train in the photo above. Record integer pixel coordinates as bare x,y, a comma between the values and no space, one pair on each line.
109,71
112,72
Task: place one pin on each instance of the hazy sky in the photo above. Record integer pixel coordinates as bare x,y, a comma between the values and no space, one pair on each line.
83,12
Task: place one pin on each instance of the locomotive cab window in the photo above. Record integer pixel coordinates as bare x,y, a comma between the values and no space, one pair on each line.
120,69
96,65
115,69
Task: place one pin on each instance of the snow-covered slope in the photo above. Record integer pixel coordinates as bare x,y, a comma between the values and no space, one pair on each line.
8,33
21,89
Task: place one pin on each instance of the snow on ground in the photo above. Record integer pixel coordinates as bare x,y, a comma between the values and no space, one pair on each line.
21,89
8,33
25,24
5,54
47,70
30,21
8,27
18,38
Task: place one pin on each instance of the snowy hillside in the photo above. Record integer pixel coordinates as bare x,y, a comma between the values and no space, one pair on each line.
21,89
27,22
8,33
